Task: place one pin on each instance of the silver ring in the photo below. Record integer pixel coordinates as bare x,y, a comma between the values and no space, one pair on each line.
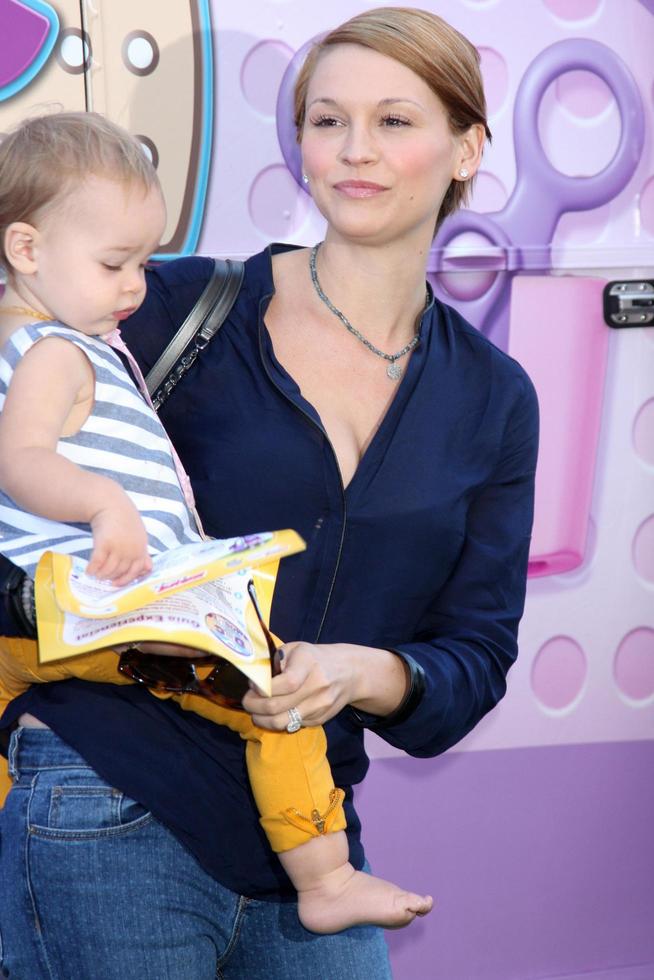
294,721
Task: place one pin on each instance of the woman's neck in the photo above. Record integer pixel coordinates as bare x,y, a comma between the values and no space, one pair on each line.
380,289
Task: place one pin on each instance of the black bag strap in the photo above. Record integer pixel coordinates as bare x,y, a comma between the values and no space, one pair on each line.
200,326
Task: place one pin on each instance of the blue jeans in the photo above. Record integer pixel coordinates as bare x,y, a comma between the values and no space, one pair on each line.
94,888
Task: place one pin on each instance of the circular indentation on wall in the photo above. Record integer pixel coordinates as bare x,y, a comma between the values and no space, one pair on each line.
471,274
277,205
74,50
558,673
633,666
149,148
140,52
644,432
576,146
647,206
489,193
643,549
262,73
573,9
496,78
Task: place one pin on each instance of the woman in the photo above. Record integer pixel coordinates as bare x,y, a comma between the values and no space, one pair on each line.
340,399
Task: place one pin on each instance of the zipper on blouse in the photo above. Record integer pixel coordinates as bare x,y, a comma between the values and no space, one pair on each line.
321,429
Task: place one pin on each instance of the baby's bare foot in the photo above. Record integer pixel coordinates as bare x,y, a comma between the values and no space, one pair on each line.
346,897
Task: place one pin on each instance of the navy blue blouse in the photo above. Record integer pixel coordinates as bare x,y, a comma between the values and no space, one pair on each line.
425,552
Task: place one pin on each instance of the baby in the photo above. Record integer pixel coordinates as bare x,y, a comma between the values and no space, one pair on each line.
86,467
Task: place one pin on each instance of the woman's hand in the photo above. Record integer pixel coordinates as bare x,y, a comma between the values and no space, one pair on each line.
319,680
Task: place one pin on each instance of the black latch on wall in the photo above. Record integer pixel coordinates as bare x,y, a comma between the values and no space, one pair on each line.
629,303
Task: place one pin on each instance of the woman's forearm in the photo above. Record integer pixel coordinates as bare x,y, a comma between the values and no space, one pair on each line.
380,680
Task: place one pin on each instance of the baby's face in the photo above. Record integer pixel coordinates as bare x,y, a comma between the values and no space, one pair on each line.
91,253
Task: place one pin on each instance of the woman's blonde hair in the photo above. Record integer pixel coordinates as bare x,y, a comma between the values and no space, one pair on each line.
44,158
430,47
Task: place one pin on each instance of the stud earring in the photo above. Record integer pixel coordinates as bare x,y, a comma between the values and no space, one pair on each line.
305,179
463,173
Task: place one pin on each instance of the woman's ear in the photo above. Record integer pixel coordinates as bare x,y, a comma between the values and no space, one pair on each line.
20,247
471,147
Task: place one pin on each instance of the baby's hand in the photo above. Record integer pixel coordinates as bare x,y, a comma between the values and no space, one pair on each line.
120,543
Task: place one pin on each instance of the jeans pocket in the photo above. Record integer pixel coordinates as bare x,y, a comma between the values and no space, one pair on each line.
82,806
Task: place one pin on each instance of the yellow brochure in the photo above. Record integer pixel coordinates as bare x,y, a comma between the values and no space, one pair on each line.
173,571
200,601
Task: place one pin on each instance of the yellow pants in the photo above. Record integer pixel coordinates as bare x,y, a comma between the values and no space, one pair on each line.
289,774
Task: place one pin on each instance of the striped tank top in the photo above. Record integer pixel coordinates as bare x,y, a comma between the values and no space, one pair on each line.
122,439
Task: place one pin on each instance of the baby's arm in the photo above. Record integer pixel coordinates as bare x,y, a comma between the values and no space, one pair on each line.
50,396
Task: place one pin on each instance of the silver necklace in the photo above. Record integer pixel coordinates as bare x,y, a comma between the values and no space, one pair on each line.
394,371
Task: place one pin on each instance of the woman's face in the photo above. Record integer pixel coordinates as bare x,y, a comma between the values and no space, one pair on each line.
377,147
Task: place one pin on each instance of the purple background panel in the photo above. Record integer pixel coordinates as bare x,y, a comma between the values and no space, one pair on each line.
27,30
541,861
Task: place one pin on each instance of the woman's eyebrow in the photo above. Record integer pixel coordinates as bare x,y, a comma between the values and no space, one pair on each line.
326,100
392,101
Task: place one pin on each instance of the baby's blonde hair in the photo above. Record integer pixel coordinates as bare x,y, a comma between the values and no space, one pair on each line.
44,158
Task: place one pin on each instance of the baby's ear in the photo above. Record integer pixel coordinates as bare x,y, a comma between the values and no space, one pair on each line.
20,247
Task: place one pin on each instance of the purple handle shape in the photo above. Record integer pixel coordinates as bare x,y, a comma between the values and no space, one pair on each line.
487,312
285,123
542,194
